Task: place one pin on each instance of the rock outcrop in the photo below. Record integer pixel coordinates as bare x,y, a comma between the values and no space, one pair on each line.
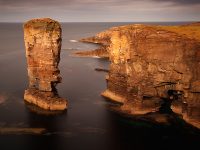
150,64
103,39
43,44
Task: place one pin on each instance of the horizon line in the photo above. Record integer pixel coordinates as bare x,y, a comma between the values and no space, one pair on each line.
104,21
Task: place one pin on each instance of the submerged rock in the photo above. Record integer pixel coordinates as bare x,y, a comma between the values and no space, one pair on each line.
15,130
3,98
101,69
43,44
153,63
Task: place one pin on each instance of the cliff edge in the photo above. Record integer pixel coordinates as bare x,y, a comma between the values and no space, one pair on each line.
152,64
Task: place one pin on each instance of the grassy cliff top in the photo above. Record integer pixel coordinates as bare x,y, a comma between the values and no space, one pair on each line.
191,31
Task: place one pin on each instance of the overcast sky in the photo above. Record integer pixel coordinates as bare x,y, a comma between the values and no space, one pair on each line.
100,10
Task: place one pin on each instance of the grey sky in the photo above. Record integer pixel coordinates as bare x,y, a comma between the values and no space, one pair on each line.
100,10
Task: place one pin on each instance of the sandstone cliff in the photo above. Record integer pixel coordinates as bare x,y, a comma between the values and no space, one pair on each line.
152,63
43,44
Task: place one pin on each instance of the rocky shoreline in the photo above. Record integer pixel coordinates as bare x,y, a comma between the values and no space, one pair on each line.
45,100
92,53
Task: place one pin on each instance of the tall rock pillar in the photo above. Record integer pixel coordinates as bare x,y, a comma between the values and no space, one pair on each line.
43,45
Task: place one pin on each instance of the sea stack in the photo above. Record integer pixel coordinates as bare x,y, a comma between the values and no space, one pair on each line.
43,39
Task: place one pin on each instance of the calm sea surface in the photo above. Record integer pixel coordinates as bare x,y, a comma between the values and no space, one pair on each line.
88,124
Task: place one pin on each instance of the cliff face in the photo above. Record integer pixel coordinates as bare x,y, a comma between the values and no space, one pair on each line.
43,44
152,63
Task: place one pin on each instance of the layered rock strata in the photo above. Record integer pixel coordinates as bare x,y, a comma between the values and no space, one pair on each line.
152,63
43,45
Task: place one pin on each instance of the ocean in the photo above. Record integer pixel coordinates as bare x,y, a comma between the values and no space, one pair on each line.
89,123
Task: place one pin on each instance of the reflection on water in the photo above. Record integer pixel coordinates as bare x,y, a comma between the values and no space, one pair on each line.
88,123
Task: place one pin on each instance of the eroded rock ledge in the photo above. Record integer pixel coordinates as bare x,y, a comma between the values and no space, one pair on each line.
43,44
150,64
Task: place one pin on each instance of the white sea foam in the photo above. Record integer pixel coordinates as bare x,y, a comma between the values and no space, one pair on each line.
70,48
74,41
96,57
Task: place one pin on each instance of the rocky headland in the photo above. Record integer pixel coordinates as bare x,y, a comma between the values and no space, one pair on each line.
102,39
43,45
151,67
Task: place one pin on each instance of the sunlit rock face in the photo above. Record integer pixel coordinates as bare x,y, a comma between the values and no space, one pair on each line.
43,44
152,63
